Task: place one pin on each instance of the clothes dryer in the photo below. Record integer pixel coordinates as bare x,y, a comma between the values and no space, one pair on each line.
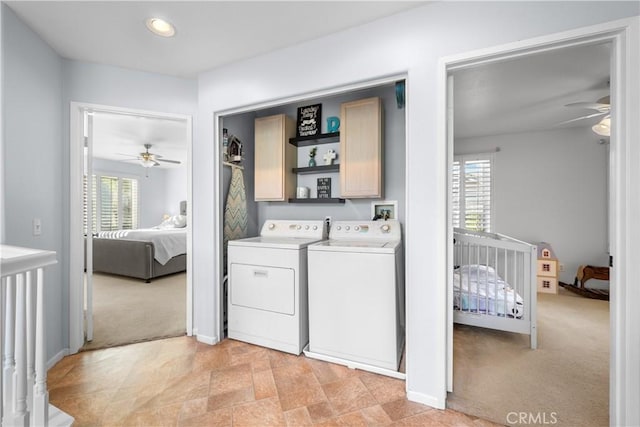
267,296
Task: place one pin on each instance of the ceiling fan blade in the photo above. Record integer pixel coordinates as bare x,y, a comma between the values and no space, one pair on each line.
583,117
128,155
590,106
177,162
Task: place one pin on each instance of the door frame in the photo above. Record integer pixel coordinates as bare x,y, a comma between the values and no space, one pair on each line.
218,208
76,244
624,372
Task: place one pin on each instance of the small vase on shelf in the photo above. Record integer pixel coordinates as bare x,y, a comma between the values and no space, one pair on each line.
312,156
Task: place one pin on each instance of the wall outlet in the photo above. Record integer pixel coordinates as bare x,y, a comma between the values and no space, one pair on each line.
561,267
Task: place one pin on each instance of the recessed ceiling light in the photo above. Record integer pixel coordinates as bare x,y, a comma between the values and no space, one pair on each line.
161,27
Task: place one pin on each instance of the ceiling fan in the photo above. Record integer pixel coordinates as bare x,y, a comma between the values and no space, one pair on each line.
602,107
148,159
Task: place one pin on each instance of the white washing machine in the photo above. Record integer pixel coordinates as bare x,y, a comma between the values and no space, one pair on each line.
356,296
267,297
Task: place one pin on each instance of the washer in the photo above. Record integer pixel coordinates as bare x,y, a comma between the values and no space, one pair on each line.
267,297
356,296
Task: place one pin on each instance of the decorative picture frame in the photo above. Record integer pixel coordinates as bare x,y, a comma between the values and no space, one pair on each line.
309,120
385,209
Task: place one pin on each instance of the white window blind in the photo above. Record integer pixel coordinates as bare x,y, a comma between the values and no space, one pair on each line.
114,203
472,192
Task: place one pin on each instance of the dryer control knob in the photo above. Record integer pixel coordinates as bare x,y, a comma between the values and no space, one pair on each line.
306,227
272,226
356,228
385,228
298,227
315,227
339,227
347,228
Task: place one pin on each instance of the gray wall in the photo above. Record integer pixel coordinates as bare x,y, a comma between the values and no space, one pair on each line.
551,187
160,193
34,185
352,209
242,126
175,190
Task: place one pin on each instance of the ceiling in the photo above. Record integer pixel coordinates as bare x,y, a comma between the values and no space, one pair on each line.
122,137
530,93
519,95
208,33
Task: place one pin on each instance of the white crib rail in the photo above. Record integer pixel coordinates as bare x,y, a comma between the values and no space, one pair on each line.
515,262
24,399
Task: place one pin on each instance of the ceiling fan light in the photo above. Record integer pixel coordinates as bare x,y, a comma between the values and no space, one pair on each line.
604,127
146,163
161,27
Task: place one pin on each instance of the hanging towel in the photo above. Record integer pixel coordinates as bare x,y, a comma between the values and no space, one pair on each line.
235,211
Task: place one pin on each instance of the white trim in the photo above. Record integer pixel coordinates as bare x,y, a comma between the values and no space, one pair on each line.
425,399
76,244
623,34
206,339
57,357
218,170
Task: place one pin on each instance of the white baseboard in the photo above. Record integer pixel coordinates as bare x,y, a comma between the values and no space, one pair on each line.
426,400
58,357
206,339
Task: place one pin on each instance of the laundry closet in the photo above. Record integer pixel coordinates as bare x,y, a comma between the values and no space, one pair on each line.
314,192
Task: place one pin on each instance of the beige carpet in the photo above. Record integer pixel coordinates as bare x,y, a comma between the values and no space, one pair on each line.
566,378
127,310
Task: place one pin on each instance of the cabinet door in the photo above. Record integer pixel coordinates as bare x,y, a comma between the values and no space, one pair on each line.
274,180
361,149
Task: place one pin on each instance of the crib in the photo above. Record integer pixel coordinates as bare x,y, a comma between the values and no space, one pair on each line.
494,282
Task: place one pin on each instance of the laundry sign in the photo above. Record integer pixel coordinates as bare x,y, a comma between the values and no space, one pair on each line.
309,120
324,188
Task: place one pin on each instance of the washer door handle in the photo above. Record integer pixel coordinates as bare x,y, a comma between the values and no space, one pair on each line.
260,273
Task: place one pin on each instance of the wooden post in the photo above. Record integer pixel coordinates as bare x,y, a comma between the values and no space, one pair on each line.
40,393
30,337
21,416
9,362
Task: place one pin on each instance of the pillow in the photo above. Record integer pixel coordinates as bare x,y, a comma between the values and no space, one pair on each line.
175,221
179,221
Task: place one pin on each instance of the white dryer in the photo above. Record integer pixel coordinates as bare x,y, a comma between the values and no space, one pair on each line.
356,296
267,296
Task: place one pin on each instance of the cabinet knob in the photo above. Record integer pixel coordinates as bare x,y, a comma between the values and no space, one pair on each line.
385,228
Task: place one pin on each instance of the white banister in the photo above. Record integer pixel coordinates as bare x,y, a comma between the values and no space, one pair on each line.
24,399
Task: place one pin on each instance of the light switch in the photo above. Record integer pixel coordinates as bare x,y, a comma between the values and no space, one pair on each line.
37,226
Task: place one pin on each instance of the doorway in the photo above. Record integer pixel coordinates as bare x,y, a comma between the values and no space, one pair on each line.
132,194
619,143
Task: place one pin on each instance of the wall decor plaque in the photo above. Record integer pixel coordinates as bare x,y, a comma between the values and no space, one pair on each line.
308,123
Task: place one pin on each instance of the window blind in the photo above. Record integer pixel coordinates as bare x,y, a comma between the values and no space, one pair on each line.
114,203
472,188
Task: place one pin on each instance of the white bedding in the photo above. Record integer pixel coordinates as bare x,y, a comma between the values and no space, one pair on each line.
478,288
167,243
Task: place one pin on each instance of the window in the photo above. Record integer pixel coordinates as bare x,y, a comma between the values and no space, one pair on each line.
472,198
114,202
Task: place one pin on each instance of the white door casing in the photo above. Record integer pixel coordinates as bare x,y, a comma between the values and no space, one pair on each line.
624,206
76,238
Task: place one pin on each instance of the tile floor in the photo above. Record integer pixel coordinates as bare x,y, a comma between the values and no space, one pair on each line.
180,382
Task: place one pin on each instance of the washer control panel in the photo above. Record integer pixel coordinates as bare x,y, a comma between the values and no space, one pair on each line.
302,229
355,230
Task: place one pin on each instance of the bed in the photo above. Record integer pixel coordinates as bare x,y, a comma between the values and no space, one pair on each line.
494,282
143,253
